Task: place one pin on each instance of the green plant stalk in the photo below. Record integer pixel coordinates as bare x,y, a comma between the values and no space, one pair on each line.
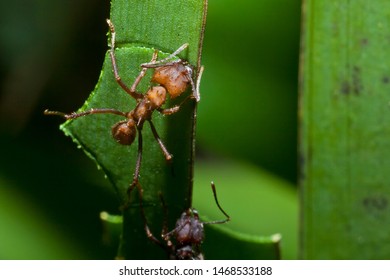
345,129
142,26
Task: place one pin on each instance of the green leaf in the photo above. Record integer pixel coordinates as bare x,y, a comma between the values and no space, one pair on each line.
141,27
222,243
345,131
164,25
260,206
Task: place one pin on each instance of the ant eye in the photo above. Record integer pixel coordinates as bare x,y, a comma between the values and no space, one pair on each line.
173,77
124,132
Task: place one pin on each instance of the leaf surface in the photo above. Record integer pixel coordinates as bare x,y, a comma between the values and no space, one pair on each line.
141,27
345,132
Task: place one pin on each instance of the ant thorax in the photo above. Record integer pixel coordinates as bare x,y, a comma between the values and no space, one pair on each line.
154,99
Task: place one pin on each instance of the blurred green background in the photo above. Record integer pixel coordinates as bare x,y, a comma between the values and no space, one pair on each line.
51,194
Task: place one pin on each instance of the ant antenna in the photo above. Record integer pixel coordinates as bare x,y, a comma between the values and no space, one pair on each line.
54,113
220,208
92,111
163,61
196,87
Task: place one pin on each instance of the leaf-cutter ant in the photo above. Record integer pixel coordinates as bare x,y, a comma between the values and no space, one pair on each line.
172,77
188,232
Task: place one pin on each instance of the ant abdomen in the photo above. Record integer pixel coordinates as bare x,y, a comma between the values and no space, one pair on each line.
124,132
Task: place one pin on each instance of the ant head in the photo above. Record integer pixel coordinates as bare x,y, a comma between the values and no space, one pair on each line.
156,95
189,229
175,77
124,132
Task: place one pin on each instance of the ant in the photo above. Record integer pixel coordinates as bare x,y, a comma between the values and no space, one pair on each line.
172,77
188,232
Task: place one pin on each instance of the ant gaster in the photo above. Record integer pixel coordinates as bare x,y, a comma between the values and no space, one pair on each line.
188,232
173,78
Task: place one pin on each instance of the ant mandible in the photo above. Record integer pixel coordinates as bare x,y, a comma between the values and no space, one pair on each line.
173,78
188,232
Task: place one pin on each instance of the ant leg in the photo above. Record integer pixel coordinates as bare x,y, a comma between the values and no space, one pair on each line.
220,208
164,232
174,109
137,165
167,235
118,79
143,72
165,209
85,113
167,155
149,233
163,62
169,111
